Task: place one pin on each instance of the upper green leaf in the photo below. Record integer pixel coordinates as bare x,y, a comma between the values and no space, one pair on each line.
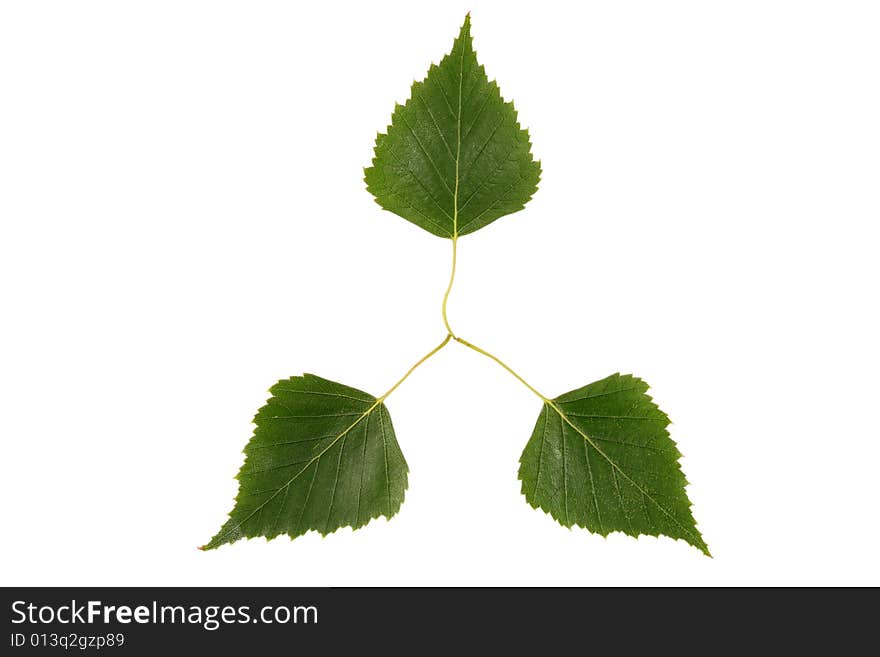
600,457
454,158
323,456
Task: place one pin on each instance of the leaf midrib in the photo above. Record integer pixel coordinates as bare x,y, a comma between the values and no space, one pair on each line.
458,144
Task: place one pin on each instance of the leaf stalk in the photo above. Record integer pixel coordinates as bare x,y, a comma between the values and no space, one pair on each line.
504,365
449,287
414,367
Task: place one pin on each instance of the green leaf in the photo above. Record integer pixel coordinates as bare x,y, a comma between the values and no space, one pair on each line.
454,158
600,457
323,456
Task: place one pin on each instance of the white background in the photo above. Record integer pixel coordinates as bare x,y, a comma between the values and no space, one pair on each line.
184,223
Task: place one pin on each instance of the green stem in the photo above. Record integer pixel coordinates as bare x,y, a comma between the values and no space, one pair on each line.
413,368
449,287
504,365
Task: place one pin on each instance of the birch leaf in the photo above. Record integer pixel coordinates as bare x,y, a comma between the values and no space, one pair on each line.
323,456
600,457
454,158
